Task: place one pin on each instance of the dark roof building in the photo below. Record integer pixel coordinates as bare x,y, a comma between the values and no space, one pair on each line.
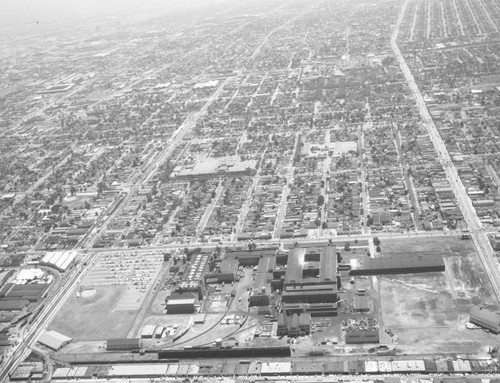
311,275
361,337
123,344
485,318
361,304
397,264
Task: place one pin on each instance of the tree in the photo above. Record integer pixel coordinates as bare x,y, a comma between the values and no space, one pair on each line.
369,221
376,241
321,200
87,205
347,246
324,225
379,249
166,257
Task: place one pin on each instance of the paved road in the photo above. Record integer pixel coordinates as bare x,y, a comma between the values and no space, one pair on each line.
47,314
478,235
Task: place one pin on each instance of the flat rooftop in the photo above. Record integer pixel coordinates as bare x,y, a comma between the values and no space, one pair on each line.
399,263
318,261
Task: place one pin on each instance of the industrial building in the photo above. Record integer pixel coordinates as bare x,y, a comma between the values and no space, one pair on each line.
123,344
210,167
315,309
485,318
361,304
246,368
258,297
181,303
54,340
311,276
60,260
294,325
29,292
148,331
224,271
397,264
362,336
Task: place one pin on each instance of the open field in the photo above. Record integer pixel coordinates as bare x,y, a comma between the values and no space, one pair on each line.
417,301
428,312
94,317
448,245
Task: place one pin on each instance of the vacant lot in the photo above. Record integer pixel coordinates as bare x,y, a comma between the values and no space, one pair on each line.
428,312
417,301
447,244
94,317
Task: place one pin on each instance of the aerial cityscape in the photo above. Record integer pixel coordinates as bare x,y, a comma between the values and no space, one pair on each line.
250,191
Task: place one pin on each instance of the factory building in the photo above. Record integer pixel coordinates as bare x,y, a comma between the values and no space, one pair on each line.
397,264
311,276
485,318
361,304
258,297
315,309
60,260
181,303
224,271
123,344
54,340
294,325
362,336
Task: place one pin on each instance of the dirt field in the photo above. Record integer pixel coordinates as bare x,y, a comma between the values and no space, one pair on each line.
416,301
428,312
94,317
448,244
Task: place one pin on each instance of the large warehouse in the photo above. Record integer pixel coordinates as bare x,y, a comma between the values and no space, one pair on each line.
181,303
311,275
362,337
54,340
485,318
397,264
61,260
125,344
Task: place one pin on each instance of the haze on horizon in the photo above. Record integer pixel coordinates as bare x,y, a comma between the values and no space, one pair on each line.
27,15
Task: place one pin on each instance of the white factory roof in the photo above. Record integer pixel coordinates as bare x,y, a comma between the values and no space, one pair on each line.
371,366
193,369
172,369
384,366
408,366
186,301
29,274
125,370
276,368
208,84
59,259
461,365
53,339
148,330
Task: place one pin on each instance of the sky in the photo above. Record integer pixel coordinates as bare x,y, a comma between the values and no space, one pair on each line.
22,13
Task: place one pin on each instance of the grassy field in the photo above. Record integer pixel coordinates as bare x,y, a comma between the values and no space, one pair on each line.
94,318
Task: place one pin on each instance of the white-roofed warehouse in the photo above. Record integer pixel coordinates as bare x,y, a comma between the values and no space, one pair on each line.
61,260
54,340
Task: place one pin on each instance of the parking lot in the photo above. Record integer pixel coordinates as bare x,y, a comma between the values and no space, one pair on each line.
134,270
